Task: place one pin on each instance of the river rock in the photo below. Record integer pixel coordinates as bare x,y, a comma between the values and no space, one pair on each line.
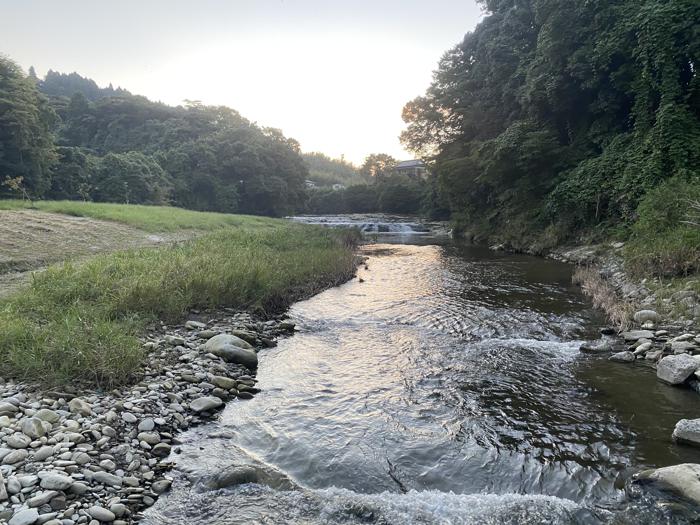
25,517
687,431
78,406
14,457
248,337
675,369
7,408
47,415
635,335
683,479
225,340
174,340
101,514
206,403
105,478
3,490
54,481
643,348
241,474
224,382
32,427
195,325
596,347
644,316
18,440
623,357
43,453
234,354
682,347
42,498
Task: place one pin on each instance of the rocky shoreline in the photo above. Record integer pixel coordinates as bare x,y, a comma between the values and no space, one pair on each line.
70,457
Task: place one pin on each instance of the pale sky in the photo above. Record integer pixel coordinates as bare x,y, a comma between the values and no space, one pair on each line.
332,74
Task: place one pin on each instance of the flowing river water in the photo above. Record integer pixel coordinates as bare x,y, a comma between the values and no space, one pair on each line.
444,387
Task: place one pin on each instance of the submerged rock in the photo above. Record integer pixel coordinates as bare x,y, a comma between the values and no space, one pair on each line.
683,480
241,474
623,357
596,347
675,369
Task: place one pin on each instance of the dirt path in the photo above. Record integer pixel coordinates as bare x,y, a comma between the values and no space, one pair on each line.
31,240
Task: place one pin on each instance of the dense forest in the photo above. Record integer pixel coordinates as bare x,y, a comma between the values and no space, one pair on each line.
557,121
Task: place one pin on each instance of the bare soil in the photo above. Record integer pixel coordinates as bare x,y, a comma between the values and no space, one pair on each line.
31,240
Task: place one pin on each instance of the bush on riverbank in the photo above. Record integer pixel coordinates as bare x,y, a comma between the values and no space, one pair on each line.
80,322
664,243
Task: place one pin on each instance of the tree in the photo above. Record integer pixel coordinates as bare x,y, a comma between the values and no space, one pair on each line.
26,143
378,165
130,178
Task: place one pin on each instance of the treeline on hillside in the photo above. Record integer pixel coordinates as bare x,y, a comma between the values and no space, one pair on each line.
376,187
125,148
325,171
555,119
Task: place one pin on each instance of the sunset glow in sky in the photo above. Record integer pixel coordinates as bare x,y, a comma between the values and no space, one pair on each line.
332,74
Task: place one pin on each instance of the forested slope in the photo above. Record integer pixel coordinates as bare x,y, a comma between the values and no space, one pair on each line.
558,121
107,145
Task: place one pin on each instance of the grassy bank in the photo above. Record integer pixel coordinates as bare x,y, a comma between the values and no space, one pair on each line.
80,322
148,218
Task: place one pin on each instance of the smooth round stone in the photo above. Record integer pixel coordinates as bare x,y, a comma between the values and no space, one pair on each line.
205,403
101,514
146,425
128,417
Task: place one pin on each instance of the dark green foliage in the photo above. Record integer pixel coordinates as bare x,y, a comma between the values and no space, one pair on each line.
57,84
130,178
392,194
72,176
666,237
26,144
563,114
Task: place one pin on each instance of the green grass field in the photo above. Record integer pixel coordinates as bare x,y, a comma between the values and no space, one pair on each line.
79,322
147,218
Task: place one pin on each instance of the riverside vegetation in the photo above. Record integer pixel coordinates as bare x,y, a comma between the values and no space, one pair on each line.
94,383
80,321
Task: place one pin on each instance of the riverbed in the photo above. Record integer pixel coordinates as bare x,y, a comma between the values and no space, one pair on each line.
442,385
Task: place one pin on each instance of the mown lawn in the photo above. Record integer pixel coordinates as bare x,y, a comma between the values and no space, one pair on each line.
148,218
79,322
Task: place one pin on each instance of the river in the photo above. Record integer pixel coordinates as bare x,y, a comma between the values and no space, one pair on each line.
444,385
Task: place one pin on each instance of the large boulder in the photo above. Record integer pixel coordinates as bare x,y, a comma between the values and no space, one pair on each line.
683,480
675,369
643,316
232,349
226,339
687,431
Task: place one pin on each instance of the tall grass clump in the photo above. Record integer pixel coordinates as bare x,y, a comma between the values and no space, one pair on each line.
665,239
80,322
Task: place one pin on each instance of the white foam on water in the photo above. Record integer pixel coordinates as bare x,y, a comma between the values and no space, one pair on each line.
434,507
